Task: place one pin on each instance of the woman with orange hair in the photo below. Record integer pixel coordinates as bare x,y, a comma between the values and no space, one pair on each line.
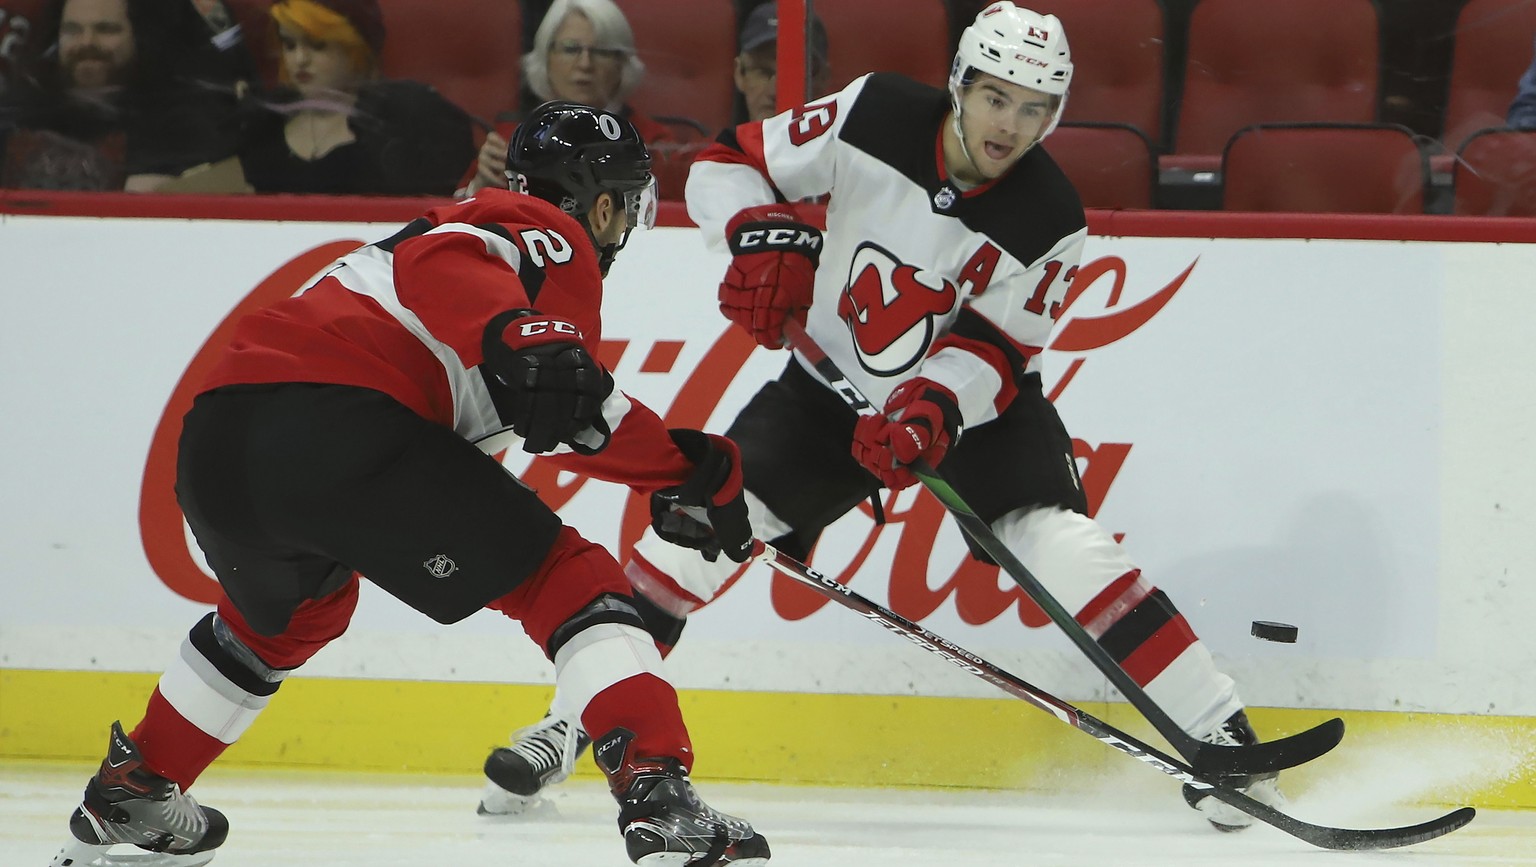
334,126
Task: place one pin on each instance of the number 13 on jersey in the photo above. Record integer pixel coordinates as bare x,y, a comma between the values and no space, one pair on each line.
1039,303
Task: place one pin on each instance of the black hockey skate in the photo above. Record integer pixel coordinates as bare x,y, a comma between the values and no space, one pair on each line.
541,755
1264,788
661,817
126,803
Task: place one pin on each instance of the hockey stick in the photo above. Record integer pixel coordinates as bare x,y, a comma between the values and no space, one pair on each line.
1208,758
1318,835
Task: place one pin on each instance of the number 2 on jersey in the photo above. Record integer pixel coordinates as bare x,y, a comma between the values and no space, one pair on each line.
546,244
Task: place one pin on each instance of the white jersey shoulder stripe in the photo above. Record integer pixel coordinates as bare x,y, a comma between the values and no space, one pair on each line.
496,245
369,271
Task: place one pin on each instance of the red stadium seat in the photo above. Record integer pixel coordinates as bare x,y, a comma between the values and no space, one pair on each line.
1490,50
911,37
670,163
1495,174
468,49
1325,168
1112,165
688,47
1261,61
256,28
1117,55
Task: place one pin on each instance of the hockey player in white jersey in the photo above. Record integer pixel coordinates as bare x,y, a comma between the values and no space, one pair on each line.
951,240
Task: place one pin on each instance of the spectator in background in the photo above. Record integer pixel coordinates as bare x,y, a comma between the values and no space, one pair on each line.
583,51
333,126
1522,112
114,102
757,64
18,18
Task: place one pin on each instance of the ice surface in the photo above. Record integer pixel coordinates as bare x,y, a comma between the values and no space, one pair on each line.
305,819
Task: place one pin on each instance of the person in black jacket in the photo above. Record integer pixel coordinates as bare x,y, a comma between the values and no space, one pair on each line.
123,94
334,126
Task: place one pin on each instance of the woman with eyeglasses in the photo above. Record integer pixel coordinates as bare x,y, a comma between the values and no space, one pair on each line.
583,51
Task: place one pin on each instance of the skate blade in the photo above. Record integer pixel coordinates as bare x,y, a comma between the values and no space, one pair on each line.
756,854
78,854
683,859
498,803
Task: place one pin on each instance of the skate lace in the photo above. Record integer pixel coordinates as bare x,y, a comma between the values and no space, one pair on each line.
1222,737
549,743
183,815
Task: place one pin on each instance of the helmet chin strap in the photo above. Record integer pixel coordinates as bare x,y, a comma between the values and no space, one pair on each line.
606,253
965,149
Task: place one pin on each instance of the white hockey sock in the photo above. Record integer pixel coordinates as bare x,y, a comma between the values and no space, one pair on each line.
599,657
217,683
1083,567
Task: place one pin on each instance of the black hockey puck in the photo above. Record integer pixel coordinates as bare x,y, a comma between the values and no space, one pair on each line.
1269,630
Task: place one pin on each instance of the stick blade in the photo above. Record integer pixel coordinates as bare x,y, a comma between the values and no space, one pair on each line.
1266,756
1346,839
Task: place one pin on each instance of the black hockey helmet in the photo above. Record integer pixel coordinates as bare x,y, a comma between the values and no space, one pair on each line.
569,154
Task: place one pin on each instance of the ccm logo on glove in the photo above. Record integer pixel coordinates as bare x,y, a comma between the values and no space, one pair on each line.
553,327
750,240
544,383
772,274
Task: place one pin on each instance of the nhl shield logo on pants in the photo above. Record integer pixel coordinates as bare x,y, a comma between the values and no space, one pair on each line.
440,566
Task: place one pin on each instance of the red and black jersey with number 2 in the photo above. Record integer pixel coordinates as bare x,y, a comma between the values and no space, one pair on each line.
406,316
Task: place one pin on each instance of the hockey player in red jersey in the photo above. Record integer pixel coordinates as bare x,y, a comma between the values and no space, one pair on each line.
347,432
951,240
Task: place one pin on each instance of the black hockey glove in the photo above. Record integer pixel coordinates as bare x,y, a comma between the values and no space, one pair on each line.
547,387
706,511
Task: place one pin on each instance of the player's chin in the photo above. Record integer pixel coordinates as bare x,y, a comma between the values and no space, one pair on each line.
993,168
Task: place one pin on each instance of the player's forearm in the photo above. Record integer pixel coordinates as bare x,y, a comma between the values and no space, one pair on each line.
640,454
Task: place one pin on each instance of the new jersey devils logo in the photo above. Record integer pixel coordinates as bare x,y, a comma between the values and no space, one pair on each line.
890,308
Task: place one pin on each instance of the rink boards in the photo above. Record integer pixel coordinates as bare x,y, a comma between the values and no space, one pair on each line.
1332,432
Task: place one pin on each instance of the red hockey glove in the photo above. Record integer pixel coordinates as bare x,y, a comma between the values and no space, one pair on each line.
921,420
706,511
547,387
773,272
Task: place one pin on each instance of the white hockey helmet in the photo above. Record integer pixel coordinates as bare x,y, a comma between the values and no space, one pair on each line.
1016,45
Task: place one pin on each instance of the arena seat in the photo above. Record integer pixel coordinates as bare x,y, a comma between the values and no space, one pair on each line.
1490,50
1495,174
1325,168
256,30
1112,165
1258,61
670,163
870,36
688,47
1117,54
468,49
